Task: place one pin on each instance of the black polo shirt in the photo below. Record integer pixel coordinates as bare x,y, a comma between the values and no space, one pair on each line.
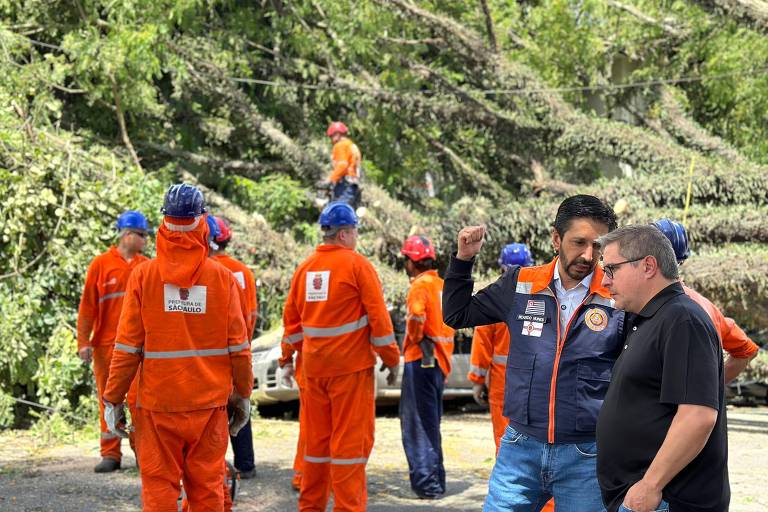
672,356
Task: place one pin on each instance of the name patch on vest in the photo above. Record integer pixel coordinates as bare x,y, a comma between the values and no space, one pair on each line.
532,329
533,318
317,286
240,279
187,300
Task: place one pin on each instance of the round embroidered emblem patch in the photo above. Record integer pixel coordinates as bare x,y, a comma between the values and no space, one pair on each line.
596,319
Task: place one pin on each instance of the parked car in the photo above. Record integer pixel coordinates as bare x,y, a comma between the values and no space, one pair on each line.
269,387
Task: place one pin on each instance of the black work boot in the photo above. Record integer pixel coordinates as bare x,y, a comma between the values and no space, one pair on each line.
107,465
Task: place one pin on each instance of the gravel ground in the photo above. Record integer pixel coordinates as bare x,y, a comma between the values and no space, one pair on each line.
35,477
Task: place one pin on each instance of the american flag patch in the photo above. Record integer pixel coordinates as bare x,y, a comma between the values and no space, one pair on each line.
535,307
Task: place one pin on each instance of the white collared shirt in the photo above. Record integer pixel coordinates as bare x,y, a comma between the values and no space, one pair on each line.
569,299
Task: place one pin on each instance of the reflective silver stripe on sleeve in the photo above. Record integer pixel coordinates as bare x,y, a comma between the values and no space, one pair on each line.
380,341
500,359
318,460
127,348
523,287
441,339
602,301
416,318
293,338
238,348
337,331
348,461
174,354
183,227
482,372
111,296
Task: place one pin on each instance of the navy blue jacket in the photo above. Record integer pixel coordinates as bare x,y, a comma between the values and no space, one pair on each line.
555,381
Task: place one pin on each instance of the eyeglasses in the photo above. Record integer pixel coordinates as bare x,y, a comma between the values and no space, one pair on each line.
610,268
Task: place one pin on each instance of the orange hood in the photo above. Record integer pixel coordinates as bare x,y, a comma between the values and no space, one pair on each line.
182,248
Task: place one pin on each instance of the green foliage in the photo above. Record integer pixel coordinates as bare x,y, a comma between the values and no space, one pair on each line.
283,202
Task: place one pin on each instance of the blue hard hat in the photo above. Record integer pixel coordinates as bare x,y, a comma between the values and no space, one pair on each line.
183,201
132,219
337,213
677,236
515,254
213,227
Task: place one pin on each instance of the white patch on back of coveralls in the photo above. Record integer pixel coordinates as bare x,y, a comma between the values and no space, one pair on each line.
187,300
240,279
317,286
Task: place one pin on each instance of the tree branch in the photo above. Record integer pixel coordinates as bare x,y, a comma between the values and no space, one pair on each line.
121,122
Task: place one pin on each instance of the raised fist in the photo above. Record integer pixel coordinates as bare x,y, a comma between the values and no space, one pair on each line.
470,241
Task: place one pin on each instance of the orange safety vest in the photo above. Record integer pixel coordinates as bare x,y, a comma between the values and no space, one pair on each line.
247,283
183,321
490,347
102,297
425,319
336,316
346,159
735,340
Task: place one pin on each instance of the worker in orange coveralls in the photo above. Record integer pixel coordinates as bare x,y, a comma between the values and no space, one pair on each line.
336,317
99,312
242,443
488,361
182,321
292,371
346,159
428,347
741,349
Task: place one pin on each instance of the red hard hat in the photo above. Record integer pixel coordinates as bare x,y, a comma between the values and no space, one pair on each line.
226,232
418,247
336,127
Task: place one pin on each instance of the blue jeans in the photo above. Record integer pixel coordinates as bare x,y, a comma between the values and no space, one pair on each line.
528,473
661,507
242,446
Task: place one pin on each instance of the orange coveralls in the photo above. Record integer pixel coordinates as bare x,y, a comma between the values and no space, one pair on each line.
425,318
336,316
488,365
301,444
490,347
182,320
346,158
247,282
98,314
735,340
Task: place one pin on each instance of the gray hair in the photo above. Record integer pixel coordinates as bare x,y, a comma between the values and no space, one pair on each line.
332,231
639,240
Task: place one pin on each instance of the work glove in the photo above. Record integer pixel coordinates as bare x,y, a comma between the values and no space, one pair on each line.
289,374
86,354
479,393
241,413
393,373
114,417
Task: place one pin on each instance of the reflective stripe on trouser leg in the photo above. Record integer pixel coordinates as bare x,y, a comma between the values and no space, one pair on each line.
421,407
339,428
108,442
182,445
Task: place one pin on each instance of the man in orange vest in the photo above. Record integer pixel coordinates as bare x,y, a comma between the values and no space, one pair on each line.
346,158
741,349
242,443
336,317
99,312
428,347
182,320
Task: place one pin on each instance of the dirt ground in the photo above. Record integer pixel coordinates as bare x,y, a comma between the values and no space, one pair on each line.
34,477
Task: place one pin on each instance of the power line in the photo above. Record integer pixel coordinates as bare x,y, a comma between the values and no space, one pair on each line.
525,90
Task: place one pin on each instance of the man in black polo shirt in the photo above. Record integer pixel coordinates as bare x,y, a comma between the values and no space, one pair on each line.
661,433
